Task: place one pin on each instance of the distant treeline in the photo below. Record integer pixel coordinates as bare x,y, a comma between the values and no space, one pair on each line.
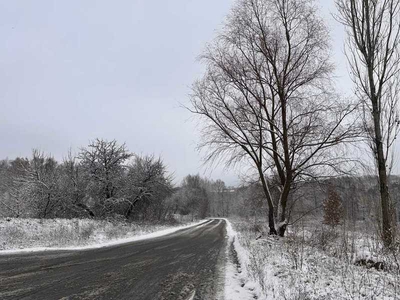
358,195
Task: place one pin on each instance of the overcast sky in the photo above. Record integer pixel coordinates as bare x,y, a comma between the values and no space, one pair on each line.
71,71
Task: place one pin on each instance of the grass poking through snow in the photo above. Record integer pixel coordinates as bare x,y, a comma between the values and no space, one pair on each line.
60,233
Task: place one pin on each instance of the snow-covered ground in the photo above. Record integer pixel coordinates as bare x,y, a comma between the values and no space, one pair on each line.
237,283
28,235
298,267
307,264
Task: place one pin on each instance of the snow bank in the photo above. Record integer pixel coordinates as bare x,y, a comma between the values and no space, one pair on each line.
238,286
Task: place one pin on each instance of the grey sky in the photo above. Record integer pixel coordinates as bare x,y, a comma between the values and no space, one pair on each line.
71,71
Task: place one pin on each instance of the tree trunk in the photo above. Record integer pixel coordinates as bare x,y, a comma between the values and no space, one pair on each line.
387,233
271,215
130,209
85,208
271,222
282,209
47,205
387,230
132,205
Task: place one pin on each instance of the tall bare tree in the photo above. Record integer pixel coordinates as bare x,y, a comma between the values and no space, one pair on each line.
266,97
373,29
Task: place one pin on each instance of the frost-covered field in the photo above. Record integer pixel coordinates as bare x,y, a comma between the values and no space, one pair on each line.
316,262
66,233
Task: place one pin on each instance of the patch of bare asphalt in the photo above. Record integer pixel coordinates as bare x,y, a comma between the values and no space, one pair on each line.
181,266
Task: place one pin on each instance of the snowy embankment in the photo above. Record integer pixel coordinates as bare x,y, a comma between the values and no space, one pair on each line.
238,286
30,235
312,264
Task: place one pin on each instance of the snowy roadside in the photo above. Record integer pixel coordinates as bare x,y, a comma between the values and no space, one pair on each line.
238,285
296,267
69,231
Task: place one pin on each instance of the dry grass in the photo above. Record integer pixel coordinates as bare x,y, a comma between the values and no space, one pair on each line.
33,233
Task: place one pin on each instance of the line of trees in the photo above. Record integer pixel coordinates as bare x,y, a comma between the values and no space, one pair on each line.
104,180
267,97
201,197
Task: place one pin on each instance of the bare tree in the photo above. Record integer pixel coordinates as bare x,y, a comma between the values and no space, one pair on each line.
73,186
373,29
219,202
11,197
38,180
265,98
103,162
147,181
196,196
19,195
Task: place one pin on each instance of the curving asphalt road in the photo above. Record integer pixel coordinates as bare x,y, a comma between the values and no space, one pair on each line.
183,265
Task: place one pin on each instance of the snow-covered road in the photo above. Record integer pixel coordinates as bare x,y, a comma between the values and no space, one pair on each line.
186,264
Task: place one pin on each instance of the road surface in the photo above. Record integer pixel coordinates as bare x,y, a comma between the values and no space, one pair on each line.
183,265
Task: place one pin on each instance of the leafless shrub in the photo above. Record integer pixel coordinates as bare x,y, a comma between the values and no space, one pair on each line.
324,238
